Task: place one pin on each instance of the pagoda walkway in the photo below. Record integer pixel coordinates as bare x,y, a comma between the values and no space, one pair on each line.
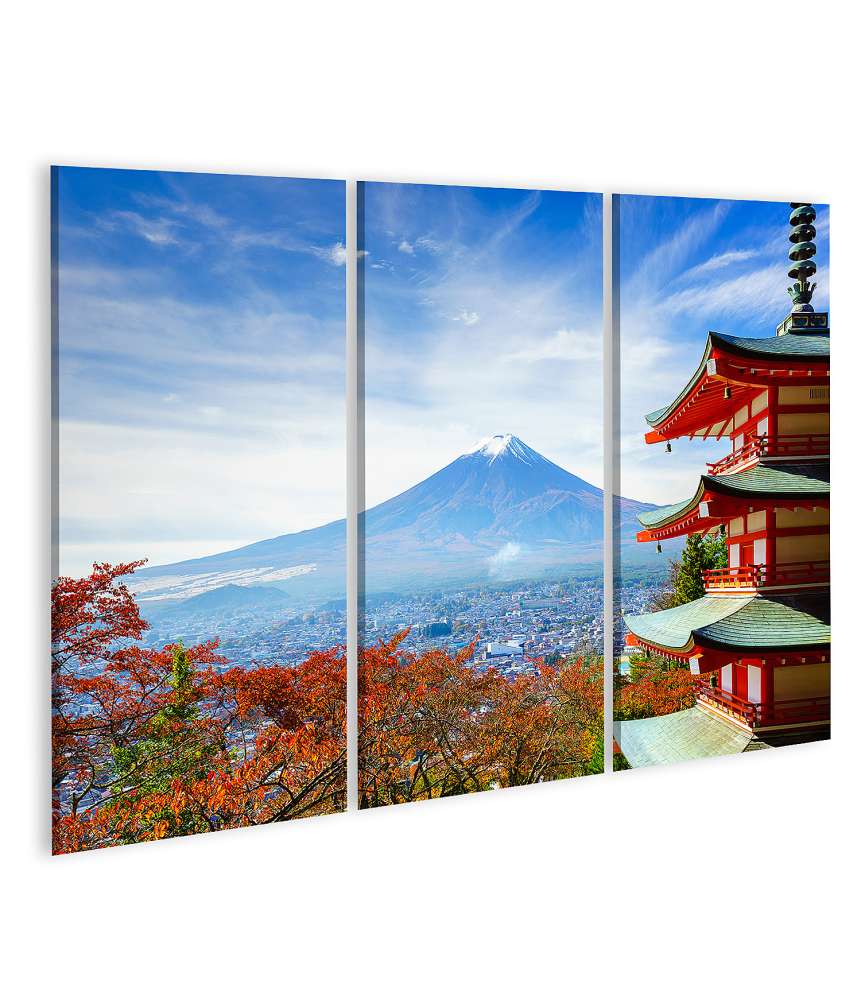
793,711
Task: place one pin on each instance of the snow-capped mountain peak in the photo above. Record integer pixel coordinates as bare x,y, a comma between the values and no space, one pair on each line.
500,444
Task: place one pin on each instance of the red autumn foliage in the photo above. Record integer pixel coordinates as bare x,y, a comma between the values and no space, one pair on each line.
160,743
431,726
91,614
156,743
658,691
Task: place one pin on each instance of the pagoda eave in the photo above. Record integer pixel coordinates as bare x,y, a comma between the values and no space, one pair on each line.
724,381
723,508
737,624
710,656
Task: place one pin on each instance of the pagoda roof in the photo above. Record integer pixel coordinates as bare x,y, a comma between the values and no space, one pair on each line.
784,480
734,622
815,346
687,735
810,347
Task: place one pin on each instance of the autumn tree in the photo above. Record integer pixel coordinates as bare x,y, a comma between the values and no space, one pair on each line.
155,743
655,692
89,618
431,726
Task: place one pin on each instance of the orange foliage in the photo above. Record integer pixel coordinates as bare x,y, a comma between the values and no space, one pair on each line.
431,726
657,692
149,744
158,743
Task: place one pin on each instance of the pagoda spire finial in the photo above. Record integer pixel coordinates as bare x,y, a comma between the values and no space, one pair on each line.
801,253
803,318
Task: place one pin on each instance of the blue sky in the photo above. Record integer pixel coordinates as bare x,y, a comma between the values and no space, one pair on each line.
688,266
201,339
483,316
202,342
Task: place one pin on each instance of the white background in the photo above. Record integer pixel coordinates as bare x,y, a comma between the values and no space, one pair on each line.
729,877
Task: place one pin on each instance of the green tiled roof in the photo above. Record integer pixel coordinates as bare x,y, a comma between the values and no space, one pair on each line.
783,478
774,623
812,346
652,518
655,416
791,345
680,736
805,480
674,627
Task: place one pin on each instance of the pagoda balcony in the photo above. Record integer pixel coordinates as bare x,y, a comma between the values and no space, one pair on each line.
789,712
761,576
758,446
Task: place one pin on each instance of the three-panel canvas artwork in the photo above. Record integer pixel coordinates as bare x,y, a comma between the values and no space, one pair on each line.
520,353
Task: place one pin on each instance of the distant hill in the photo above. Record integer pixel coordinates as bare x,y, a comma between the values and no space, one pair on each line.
230,597
500,511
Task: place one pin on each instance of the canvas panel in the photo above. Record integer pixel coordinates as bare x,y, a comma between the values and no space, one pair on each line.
722,627
199,623
480,661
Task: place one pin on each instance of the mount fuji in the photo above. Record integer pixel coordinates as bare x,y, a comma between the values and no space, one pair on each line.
499,511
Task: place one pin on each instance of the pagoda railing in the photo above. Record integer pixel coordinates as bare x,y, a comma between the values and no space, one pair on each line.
789,711
772,446
761,575
739,708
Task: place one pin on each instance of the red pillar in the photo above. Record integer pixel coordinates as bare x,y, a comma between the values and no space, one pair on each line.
767,688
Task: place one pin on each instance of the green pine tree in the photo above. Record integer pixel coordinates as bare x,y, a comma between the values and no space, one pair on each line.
170,746
701,552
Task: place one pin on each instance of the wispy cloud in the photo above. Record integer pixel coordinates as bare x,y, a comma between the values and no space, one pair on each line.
160,231
198,212
719,261
671,250
430,245
754,293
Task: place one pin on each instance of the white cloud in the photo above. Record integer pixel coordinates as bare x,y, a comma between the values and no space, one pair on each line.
406,247
500,561
336,254
160,231
430,245
466,317
755,293
564,345
719,261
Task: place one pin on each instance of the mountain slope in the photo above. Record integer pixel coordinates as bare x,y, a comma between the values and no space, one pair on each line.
230,597
500,510
501,490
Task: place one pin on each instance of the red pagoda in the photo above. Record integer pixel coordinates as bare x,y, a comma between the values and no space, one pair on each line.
758,641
